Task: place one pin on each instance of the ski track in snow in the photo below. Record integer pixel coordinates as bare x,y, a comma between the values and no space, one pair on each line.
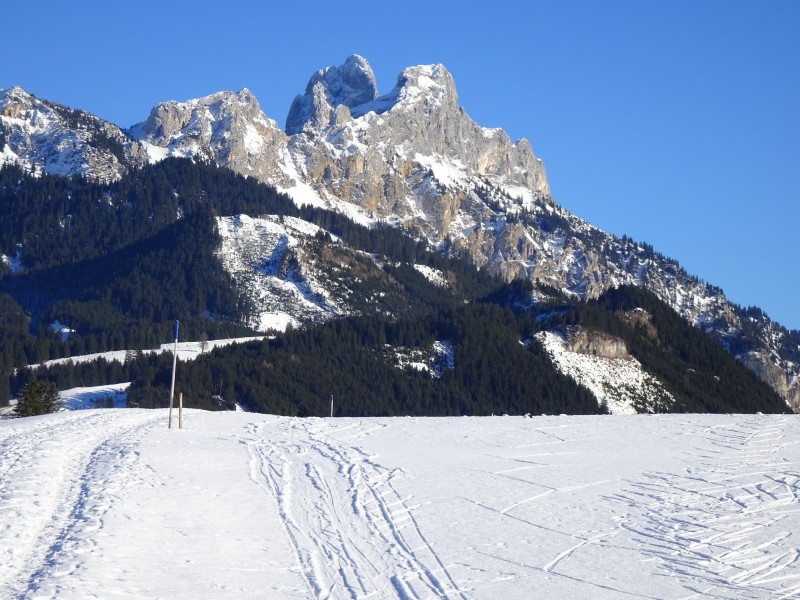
55,487
722,526
340,511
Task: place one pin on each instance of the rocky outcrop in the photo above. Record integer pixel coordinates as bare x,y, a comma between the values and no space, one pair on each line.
597,343
600,363
770,370
412,155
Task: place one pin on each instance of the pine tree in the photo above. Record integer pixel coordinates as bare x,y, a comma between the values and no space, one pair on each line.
38,398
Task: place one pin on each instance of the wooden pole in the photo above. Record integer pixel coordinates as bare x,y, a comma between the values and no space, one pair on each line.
174,365
180,411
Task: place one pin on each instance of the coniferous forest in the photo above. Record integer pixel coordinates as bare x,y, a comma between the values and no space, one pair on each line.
118,263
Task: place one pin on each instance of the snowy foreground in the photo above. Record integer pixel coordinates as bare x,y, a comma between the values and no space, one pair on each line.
112,504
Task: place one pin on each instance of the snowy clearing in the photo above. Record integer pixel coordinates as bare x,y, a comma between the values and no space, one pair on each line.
112,504
96,396
186,351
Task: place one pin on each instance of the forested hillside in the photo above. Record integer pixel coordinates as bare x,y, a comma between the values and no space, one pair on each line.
117,263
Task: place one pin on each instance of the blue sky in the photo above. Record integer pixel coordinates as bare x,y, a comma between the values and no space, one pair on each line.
676,123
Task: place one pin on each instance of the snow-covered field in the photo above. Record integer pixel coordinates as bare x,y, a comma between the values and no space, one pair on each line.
112,504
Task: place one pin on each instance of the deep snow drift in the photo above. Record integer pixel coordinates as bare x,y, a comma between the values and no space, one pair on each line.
112,504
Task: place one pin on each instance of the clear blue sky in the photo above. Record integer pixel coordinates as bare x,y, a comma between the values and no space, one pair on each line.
675,122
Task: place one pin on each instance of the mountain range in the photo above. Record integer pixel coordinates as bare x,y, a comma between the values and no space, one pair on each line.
410,160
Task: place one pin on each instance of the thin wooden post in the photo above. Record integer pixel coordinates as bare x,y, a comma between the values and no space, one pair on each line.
174,366
180,411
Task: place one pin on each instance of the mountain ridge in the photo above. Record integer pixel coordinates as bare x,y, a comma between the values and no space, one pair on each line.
413,158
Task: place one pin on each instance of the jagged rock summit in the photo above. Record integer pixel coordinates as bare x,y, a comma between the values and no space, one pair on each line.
334,95
409,156
349,85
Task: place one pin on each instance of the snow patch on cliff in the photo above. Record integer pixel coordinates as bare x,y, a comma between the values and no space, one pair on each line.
621,384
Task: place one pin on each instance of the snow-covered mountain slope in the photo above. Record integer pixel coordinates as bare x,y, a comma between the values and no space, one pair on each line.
111,503
414,158
43,136
617,380
271,261
289,276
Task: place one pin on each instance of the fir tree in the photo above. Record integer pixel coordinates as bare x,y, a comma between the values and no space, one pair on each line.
38,398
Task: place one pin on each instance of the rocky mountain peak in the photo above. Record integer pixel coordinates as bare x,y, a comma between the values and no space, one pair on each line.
350,84
169,117
46,137
226,127
431,86
13,100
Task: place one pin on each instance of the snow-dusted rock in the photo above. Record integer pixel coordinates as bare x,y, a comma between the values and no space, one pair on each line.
384,154
351,84
227,128
43,136
617,380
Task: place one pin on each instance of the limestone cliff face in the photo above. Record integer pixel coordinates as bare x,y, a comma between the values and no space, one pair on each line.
350,84
384,153
227,128
771,370
597,343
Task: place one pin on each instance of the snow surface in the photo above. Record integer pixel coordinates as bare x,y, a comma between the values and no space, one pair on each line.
422,83
112,504
155,154
96,396
14,262
252,250
447,171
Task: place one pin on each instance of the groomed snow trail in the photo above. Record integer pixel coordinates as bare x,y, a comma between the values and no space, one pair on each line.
55,486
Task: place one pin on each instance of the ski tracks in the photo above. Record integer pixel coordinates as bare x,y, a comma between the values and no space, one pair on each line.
49,509
720,527
352,534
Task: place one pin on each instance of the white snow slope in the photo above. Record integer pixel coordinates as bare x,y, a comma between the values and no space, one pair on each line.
112,504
